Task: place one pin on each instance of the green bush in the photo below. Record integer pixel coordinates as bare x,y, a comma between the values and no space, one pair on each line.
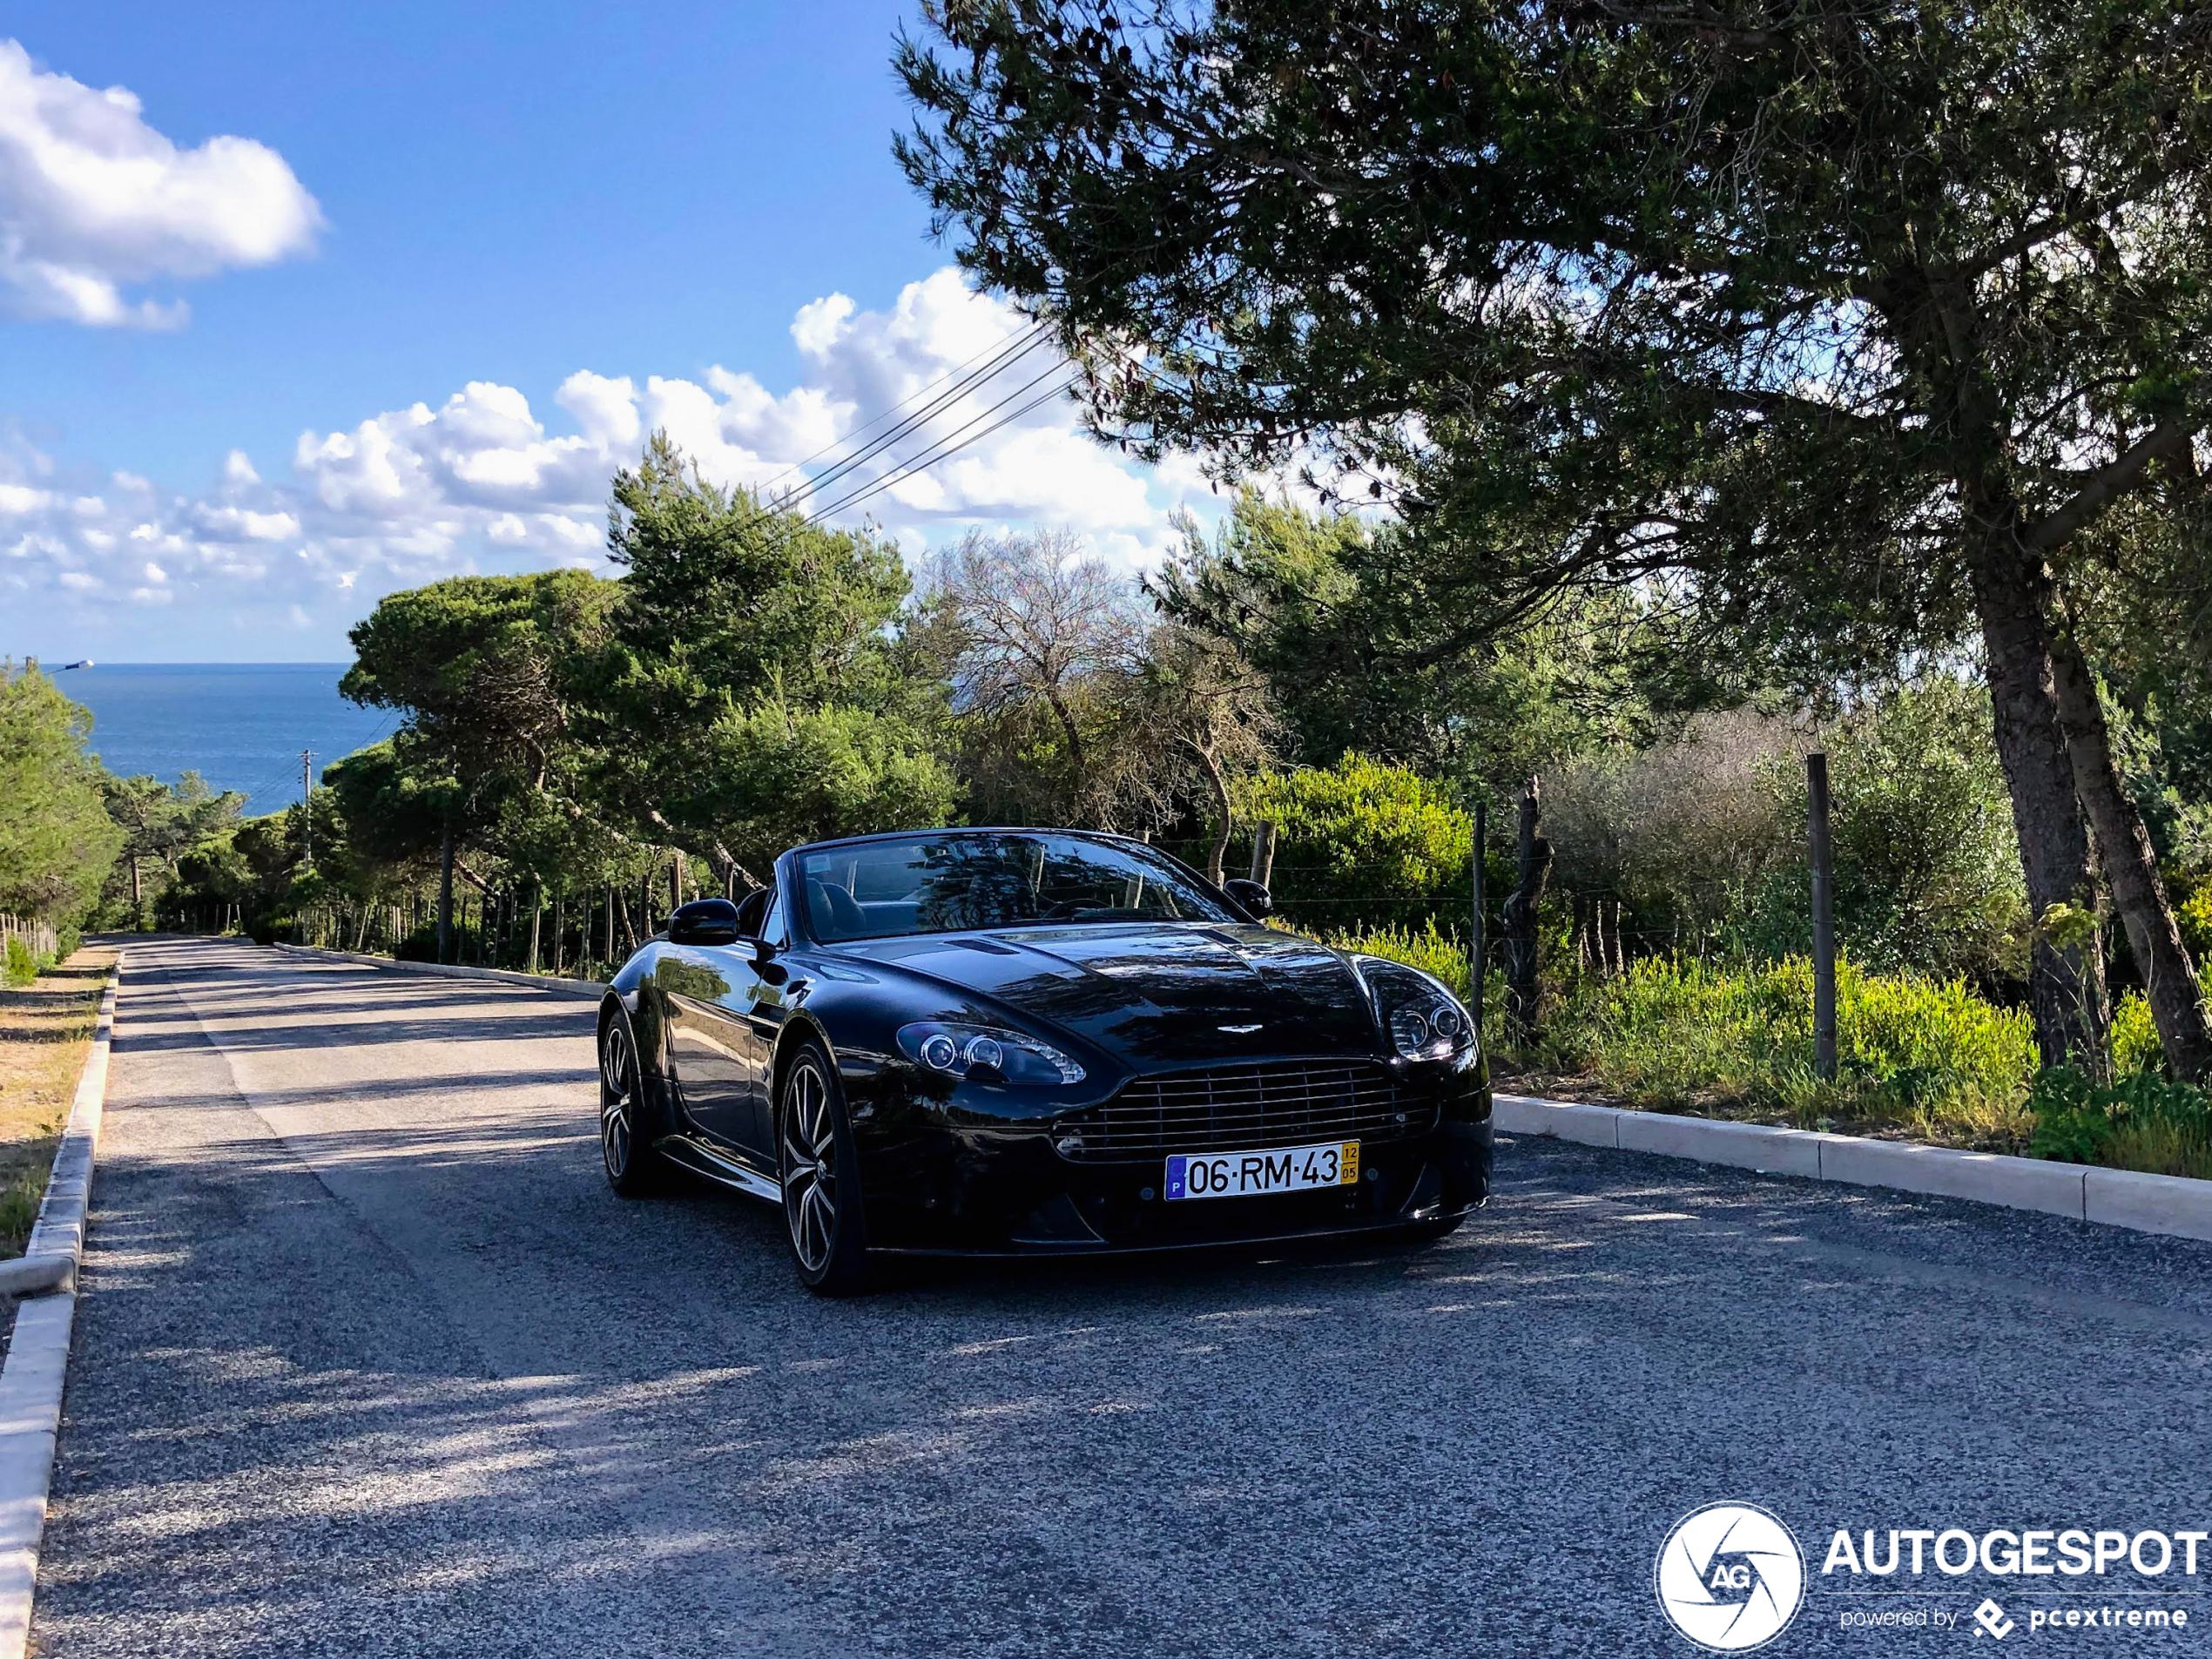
2141,1123
1357,842
2134,1038
1703,837
23,966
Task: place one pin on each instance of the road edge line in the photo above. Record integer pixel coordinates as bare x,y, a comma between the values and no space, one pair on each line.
38,1366
591,987
2172,1205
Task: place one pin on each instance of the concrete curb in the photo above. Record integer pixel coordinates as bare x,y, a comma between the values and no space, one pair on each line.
2155,1204
591,987
38,1366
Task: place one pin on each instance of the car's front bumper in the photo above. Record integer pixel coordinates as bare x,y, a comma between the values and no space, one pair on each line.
941,1182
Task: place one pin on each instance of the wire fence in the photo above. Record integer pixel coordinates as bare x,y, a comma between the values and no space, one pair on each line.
38,939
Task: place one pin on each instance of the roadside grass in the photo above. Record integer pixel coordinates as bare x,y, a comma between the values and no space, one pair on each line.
1918,1057
45,1031
1927,1057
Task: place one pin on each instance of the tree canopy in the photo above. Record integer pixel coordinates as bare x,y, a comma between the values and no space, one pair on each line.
57,841
1829,330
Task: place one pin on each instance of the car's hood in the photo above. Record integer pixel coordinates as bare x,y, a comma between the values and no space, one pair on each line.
1155,994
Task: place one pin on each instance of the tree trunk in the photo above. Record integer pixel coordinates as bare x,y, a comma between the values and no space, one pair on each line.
537,916
2065,978
445,891
2130,867
1219,850
1078,762
1523,990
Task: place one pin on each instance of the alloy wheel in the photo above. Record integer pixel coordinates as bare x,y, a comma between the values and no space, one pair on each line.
810,1165
617,1085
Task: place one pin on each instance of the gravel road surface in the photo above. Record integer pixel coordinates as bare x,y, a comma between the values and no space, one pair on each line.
371,1362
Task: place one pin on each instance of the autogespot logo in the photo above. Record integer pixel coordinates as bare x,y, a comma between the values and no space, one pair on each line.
1730,1577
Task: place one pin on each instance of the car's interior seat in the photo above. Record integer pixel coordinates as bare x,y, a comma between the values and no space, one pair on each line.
836,907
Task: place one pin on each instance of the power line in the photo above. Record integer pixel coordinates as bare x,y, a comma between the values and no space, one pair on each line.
965,438
922,417
1035,330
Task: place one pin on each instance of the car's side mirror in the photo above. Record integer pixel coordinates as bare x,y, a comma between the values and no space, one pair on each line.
1250,894
704,921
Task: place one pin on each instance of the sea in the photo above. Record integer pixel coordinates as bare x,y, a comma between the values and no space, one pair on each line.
240,726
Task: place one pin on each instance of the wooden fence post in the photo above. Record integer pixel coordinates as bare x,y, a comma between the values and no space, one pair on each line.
1479,940
1533,864
1263,853
1823,916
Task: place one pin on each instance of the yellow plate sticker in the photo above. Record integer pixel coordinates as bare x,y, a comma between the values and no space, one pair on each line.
1348,1165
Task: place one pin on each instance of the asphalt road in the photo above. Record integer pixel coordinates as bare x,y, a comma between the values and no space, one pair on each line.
371,1362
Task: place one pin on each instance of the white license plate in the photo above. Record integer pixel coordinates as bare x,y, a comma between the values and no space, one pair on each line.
1242,1175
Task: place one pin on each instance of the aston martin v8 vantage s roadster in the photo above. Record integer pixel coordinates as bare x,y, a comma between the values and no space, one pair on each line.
1017,1041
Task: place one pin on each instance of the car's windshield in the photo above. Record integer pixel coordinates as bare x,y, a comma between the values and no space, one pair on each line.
947,883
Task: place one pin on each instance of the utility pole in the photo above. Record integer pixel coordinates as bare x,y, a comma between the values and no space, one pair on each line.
308,803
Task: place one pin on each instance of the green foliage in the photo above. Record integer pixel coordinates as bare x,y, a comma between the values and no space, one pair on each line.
160,822
1360,840
1912,1050
1927,868
726,594
1356,655
1471,250
1928,873
57,841
390,807
22,965
780,775
2142,1121
1703,836
488,671
2134,1038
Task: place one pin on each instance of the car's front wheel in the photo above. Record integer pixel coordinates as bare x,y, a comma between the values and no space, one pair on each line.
821,1178
634,1167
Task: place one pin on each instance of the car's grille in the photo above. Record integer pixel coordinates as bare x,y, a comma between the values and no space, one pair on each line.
1237,1108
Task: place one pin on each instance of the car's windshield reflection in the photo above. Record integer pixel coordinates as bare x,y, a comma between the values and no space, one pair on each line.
955,883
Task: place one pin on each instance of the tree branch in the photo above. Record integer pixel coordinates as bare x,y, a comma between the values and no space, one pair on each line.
2105,483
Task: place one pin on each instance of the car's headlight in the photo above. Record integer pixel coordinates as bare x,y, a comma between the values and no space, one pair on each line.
1424,1020
958,1049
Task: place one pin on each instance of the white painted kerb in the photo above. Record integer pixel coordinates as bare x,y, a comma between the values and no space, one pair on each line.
30,1383
2157,1204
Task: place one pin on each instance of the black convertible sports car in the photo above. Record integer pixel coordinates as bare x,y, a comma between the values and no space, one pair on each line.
1033,1041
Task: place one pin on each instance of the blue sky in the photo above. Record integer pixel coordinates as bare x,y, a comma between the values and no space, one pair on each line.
548,226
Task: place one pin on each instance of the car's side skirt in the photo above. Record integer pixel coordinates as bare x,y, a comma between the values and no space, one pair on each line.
703,1159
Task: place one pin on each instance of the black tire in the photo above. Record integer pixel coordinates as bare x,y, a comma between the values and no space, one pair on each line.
626,1116
820,1176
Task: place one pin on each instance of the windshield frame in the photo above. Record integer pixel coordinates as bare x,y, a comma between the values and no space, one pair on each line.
802,908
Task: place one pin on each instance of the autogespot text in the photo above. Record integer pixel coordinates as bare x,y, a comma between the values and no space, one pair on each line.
2072,1551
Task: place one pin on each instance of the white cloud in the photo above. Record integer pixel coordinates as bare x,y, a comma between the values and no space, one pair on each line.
482,480
93,200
